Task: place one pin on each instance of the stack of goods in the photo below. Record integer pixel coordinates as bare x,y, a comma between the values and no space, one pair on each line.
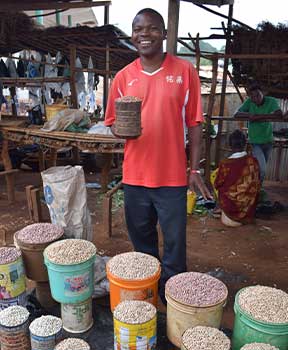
14,322
72,343
12,281
32,240
135,325
193,299
208,338
258,346
45,332
133,276
128,116
70,265
261,317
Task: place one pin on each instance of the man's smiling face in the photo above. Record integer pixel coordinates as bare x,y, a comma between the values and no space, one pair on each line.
148,34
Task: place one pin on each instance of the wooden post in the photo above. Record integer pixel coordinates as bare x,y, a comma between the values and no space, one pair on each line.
74,97
13,95
224,83
172,27
75,155
107,63
9,176
53,157
106,209
105,170
34,204
208,119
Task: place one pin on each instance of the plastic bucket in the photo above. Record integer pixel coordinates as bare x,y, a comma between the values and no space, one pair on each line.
77,318
52,110
12,279
15,338
33,259
45,343
71,284
248,330
141,336
183,316
20,300
121,289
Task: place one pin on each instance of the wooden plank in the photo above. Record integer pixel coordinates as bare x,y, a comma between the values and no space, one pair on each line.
36,205
8,166
29,201
74,99
18,5
7,172
172,27
105,171
107,216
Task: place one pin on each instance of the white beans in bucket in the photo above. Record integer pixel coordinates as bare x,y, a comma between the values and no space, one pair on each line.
265,304
135,325
14,334
258,346
45,332
72,344
193,299
208,338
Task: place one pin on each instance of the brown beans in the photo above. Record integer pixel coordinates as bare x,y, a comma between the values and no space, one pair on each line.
196,289
128,99
8,255
40,233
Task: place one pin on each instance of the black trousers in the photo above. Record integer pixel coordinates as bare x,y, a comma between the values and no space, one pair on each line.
144,207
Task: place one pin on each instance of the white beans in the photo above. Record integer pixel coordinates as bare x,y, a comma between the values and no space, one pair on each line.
264,304
40,233
72,344
9,254
70,251
205,338
133,266
134,312
197,289
45,326
258,346
13,316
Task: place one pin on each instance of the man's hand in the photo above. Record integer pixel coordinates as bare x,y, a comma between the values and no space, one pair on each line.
195,181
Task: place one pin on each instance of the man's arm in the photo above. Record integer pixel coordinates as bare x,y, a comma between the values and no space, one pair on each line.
263,117
195,142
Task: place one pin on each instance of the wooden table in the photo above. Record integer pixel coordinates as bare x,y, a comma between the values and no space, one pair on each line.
56,140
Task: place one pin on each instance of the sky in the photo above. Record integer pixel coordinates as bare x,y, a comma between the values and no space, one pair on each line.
194,20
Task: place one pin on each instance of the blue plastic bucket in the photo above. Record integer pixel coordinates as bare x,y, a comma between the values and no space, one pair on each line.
72,283
45,343
248,330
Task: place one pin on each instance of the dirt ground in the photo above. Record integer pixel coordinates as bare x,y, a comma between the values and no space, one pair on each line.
247,255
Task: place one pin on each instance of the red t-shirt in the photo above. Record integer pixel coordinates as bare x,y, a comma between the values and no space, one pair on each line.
171,98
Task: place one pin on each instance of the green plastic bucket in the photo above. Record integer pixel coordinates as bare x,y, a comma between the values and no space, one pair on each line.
72,283
248,330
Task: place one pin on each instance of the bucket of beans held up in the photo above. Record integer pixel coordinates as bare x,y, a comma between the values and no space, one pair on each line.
128,116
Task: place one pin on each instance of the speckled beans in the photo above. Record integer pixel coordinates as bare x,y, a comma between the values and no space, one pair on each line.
258,346
264,304
72,343
204,338
14,334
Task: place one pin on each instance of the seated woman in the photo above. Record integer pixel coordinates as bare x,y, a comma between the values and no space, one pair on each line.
238,183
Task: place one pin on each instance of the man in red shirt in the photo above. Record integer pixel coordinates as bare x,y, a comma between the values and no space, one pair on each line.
154,167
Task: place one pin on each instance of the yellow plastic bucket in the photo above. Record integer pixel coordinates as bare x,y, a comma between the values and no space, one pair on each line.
135,336
182,316
52,110
191,201
12,279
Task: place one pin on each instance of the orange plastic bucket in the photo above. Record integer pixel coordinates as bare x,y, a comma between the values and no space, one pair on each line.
122,289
